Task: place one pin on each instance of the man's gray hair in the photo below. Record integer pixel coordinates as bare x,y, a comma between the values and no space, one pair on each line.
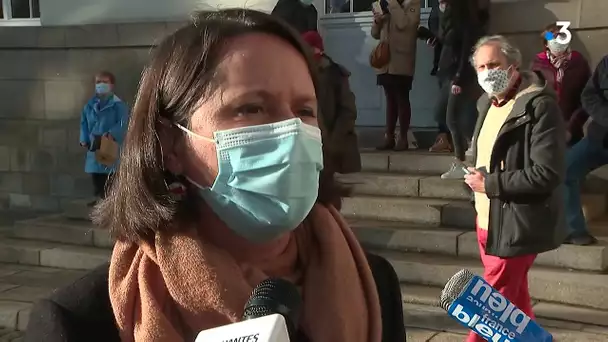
512,53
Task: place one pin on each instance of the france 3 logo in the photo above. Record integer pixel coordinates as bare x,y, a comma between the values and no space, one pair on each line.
564,36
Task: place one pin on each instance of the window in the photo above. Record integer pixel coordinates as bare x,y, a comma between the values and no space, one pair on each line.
356,6
19,12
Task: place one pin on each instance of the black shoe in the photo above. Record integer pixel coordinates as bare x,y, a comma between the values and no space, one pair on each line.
581,240
434,71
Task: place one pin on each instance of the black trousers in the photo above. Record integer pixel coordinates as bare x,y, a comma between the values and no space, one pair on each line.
100,184
458,113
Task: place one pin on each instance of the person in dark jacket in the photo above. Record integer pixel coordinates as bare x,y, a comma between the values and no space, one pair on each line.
337,110
82,310
589,153
567,71
519,155
460,26
300,14
432,36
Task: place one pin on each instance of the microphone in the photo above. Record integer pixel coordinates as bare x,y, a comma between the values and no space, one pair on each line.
475,304
271,315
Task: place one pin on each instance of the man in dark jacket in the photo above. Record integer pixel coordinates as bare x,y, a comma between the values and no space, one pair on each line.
519,154
588,154
300,14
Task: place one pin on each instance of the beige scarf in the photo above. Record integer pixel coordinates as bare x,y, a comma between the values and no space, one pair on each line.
181,285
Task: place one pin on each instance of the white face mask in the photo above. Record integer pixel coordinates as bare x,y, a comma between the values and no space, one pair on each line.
442,7
494,81
557,48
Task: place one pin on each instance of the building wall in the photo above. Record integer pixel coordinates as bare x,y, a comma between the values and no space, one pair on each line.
348,41
46,76
82,12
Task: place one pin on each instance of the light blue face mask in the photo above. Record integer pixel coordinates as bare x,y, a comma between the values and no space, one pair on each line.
102,88
268,177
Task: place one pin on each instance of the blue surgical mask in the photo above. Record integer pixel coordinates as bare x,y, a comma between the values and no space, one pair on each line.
268,177
102,88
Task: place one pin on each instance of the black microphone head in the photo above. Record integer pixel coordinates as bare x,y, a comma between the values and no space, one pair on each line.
275,296
454,288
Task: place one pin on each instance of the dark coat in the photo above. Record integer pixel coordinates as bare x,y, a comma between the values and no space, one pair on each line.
338,113
595,102
526,170
300,17
576,75
460,28
81,312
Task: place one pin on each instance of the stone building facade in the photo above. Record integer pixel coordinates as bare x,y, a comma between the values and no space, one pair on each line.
46,76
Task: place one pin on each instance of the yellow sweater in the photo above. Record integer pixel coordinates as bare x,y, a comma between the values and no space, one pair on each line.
485,144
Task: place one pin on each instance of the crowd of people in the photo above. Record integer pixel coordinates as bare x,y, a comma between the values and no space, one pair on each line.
226,171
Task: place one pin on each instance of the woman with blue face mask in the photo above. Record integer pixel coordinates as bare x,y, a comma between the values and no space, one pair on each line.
105,114
221,186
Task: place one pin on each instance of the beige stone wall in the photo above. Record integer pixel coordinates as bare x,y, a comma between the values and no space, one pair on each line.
46,76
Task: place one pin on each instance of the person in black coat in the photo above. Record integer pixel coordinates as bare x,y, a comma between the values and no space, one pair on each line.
300,14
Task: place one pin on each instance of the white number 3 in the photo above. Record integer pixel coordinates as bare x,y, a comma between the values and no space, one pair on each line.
566,37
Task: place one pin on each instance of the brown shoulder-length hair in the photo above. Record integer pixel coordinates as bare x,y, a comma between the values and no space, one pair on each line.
180,73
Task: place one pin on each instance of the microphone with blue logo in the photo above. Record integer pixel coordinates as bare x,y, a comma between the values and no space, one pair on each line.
475,304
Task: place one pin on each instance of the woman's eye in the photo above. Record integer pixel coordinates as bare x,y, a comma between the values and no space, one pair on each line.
306,112
250,109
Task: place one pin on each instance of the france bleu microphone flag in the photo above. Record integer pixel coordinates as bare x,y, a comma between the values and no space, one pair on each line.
475,304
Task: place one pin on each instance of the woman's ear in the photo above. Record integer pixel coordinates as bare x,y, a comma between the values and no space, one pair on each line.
169,138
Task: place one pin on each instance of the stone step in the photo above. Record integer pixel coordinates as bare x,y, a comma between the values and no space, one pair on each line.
424,162
51,254
405,162
20,286
546,284
420,211
458,242
59,228
429,295
428,186
405,185
78,209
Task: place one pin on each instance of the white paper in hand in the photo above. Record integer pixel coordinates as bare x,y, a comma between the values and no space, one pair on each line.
270,328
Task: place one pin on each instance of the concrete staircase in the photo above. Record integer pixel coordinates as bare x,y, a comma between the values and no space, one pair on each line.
424,226
38,255
399,208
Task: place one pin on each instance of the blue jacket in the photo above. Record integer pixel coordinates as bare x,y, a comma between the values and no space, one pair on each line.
111,117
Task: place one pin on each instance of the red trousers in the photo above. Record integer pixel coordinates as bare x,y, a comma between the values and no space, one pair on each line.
508,276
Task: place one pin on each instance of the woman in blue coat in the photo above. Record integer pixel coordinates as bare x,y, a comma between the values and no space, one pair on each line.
104,115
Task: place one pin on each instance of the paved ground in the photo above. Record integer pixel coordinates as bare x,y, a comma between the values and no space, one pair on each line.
22,285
